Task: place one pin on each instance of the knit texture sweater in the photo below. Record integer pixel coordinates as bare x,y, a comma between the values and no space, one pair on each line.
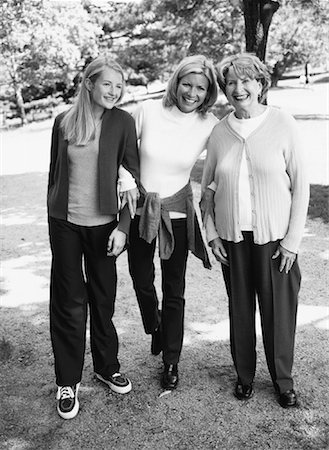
155,222
277,175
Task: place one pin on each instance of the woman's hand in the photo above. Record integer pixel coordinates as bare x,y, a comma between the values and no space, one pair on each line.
207,205
219,251
287,258
116,242
131,198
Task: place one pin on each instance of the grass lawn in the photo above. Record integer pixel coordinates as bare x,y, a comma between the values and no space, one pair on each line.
202,414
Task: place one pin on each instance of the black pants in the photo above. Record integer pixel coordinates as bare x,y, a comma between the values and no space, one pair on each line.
74,285
253,271
141,267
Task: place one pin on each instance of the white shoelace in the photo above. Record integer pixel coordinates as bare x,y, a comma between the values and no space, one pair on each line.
66,392
116,375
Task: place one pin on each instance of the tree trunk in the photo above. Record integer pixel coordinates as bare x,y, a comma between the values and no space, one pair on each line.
258,15
277,72
20,104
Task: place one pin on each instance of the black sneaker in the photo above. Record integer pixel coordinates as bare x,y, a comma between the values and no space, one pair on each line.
67,401
117,382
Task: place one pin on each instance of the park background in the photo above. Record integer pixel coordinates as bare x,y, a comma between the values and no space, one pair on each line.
44,47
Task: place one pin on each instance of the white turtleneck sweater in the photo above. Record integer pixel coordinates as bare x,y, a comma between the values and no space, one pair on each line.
170,142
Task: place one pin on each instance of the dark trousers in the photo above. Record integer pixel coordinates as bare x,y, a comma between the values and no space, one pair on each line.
82,273
141,267
251,272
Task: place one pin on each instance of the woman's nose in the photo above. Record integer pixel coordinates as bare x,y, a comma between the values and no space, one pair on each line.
238,86
193,91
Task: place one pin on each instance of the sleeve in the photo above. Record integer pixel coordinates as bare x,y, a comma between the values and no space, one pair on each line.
138,116
300,192
209,167
126,181
131,163
212,186
207,180
53,152
131,157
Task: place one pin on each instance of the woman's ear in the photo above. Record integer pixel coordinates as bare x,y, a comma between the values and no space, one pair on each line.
88,84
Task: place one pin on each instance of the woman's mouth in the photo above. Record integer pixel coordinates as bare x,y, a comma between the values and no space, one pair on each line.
190,101
240,98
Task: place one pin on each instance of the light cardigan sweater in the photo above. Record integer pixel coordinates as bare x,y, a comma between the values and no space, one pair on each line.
278,182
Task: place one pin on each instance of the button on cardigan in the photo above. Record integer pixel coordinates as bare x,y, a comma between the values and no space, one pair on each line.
278,181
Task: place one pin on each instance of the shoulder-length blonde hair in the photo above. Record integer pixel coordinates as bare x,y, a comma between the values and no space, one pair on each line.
78,124
193,64
245,65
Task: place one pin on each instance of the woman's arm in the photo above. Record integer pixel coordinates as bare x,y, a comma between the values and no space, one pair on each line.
128,191
207,204
53,152
297,171
131,163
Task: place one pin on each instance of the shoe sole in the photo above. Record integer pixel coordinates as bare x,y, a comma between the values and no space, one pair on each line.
283,405
244,398
71,414
114,387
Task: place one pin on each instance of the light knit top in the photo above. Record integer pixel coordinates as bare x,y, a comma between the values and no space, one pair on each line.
170,143
83,201
279,190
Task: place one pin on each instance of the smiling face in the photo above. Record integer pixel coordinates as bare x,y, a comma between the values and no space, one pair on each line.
191,91
106,90
243,94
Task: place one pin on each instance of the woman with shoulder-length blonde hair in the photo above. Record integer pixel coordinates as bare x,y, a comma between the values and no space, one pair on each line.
89,143
172,134
255,187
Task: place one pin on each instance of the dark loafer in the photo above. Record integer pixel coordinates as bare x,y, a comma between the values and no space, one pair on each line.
169,379
243,391
288,399
156,344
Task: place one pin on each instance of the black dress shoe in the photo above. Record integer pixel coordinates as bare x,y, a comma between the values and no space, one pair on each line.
288,399
169,379
243,391
156,344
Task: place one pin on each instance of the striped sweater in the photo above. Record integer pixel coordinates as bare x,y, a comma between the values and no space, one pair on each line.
278,182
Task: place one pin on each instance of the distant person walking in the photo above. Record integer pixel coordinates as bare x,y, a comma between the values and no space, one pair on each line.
89,142
255,198
172,134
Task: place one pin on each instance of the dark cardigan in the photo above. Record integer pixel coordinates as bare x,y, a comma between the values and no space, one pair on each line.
117,145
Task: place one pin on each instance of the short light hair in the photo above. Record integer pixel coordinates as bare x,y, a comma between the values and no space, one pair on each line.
193,64
244,64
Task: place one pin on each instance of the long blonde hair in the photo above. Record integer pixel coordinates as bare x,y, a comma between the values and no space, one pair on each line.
78,124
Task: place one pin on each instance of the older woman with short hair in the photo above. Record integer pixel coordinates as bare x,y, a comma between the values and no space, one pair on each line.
255,173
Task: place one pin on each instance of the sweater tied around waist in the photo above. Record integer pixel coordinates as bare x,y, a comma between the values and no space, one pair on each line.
155,221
